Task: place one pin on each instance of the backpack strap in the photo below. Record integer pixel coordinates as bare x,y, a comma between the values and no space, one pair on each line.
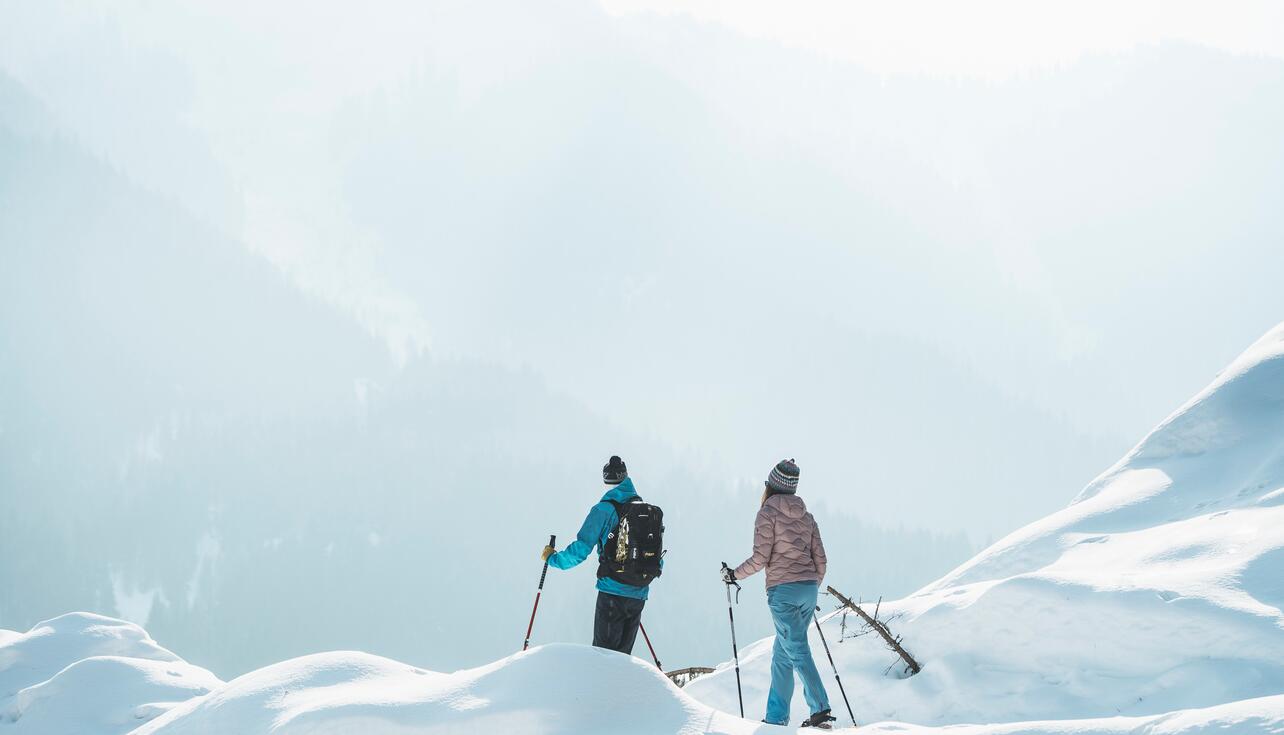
618,505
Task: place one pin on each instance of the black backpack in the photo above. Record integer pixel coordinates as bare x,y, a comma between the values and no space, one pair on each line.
632,552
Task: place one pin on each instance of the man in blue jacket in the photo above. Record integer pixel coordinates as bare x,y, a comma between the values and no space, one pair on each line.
619,605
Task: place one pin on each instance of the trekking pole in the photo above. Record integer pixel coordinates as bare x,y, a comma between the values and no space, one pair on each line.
735,652
647,638
837,678
552,541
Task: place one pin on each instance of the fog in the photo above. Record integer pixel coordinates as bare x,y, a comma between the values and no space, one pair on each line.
316,323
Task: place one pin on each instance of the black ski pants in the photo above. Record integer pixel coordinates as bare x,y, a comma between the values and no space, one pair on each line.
615,626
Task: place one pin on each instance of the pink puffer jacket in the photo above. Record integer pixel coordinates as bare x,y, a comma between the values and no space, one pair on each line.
786,540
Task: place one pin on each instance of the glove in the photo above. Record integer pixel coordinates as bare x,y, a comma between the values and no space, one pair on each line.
728,575
548,551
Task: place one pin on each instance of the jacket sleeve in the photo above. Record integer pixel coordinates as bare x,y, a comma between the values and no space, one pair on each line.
591,532
764,536
818,550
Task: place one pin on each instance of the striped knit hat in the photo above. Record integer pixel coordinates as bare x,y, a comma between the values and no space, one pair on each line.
614,471
783,477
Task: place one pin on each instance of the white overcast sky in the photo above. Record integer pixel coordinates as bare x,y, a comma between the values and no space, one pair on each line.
992,38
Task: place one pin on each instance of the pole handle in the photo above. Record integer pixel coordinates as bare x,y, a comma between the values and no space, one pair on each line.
729,586
552,541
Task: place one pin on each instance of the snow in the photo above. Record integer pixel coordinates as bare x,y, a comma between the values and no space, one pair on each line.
1265,715
1151,604
84,673
106,694
29,658
92,675
557,688
548,689
1158,589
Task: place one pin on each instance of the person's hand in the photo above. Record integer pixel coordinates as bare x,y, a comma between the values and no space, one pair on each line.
548,551
728,575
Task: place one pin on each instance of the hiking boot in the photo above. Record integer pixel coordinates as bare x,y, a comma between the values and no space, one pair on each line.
820,720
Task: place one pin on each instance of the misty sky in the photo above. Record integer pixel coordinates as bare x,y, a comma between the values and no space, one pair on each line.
745,245
955,262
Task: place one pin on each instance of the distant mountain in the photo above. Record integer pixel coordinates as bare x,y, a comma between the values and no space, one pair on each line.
189,441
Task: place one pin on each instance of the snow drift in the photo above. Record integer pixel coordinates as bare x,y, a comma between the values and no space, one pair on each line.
1152,604
555,688
1158,588
82,673
558,688
145,690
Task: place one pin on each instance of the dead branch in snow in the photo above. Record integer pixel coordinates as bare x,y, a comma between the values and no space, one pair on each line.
892,642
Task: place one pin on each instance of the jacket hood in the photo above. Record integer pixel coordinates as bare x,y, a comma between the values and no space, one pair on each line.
790,506
621,493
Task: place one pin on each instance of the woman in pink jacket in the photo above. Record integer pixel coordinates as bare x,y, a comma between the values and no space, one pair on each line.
786,540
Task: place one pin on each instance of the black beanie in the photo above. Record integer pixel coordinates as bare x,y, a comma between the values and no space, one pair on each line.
614,471
783,478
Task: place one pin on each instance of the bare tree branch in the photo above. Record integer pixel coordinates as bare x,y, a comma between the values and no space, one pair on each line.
893,643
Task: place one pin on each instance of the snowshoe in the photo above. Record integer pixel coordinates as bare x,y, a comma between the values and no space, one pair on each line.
820,720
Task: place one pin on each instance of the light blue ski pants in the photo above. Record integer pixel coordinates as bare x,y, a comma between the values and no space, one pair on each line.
791,609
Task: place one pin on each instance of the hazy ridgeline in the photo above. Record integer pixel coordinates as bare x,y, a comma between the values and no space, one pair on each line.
190,441
953,301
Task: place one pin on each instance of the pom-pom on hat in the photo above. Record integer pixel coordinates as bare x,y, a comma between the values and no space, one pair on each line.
614,471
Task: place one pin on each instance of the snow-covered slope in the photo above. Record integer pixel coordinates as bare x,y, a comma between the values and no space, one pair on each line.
83,673
1159,588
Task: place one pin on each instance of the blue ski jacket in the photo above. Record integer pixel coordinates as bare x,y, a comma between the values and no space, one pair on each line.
601,520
